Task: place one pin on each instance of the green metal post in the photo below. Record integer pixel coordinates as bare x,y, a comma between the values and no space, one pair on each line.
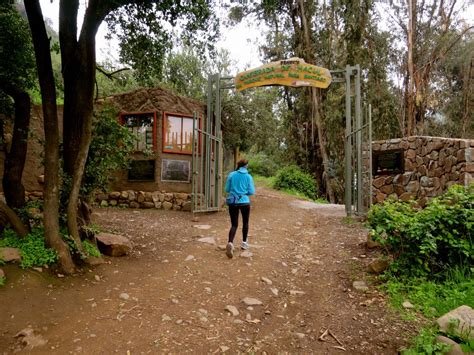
348,146
358,139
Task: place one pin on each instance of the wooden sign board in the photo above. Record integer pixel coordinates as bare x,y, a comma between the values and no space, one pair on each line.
294,72
388,162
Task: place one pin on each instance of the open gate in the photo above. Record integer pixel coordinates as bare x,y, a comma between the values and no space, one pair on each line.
208,146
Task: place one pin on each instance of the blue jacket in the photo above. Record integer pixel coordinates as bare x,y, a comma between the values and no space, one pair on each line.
240,183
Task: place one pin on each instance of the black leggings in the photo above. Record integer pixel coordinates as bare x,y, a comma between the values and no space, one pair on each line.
234,219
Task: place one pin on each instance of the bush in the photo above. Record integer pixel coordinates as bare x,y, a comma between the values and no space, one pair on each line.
32,248
293,178
427,241
262,165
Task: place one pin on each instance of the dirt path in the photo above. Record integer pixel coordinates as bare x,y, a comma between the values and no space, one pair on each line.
170,295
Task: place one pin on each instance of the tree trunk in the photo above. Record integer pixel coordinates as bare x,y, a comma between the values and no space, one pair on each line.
410,113
15,159
15,222
51,132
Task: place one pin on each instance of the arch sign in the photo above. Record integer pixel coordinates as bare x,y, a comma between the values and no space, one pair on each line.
294,72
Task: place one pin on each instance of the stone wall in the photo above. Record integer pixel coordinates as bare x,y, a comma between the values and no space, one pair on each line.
432,165
136,199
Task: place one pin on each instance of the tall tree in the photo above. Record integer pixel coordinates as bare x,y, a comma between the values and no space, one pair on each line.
142,28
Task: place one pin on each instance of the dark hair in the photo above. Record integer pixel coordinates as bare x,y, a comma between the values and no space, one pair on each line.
241,163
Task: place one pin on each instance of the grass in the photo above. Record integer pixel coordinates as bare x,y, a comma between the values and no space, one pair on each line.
431,300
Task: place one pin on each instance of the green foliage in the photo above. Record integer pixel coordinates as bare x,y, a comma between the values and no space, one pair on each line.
429,241
2,281
293,178
90,248
261,164
32,248
423,344
109,151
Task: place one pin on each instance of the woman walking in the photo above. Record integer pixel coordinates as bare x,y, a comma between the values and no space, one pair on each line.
239,186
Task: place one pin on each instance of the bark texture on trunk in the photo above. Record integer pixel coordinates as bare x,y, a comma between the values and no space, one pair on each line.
15,158
51,131
15,222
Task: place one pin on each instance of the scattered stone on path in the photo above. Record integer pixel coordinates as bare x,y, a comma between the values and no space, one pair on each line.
10,255
224,348
455,347
221,247
266,280
378,266
189,258
202,226
238,321
296,292
459,321
94,260
360,286
124,296
208,289
232,310
299,335
249,301
246,254
30,339
207,240
202,311
165,318
113,244
274,291
407,305
97,277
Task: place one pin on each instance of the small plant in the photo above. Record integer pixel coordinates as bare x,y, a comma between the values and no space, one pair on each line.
90,249
2,281
33,250
292,178
261,164
424,344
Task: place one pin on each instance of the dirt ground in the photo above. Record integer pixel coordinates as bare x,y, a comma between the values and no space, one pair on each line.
170,295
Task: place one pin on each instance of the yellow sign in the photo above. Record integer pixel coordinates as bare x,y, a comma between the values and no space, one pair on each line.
293,72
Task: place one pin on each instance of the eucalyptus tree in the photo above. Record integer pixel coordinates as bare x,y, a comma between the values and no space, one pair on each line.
142,27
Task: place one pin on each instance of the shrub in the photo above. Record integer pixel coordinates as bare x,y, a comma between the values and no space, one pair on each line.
429,241
262,165
293,178
32,248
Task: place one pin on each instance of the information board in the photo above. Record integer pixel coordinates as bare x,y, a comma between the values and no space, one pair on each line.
388,162
175,170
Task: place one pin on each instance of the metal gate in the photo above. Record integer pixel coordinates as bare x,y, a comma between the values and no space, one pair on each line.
207,153
207,146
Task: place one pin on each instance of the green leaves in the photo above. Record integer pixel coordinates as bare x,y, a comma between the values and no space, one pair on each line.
427,241
293,178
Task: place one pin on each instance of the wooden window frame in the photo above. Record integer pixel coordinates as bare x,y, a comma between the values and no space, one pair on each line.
122,122
163,140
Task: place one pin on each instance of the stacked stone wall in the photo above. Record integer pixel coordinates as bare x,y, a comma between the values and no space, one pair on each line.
177,201
432,165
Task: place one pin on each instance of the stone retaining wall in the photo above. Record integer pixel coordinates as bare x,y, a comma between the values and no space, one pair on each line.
432,165
137,199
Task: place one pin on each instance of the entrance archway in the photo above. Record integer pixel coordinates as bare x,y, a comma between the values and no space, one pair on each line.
207,143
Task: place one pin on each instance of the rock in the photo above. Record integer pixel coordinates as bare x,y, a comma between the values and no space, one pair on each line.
167,205
189,258
360,286
10,255
30,339
378,266
124,296
104,203
113,244
40,179
238,321
266,280
94,260
97,277
224,348
134,204
186,206
407,305
455,347
232,310
274,291
246,254
202,226
371,243
165,318
202,311
115,194
296,293
249,301
299,335
208,240
461,320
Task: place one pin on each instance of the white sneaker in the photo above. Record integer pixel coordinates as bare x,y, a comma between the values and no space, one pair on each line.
244,246
229,250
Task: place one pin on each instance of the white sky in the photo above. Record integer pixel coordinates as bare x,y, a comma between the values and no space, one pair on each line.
240,41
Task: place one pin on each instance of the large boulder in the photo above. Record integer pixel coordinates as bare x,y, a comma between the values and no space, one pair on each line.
113,244
459,321
10,255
